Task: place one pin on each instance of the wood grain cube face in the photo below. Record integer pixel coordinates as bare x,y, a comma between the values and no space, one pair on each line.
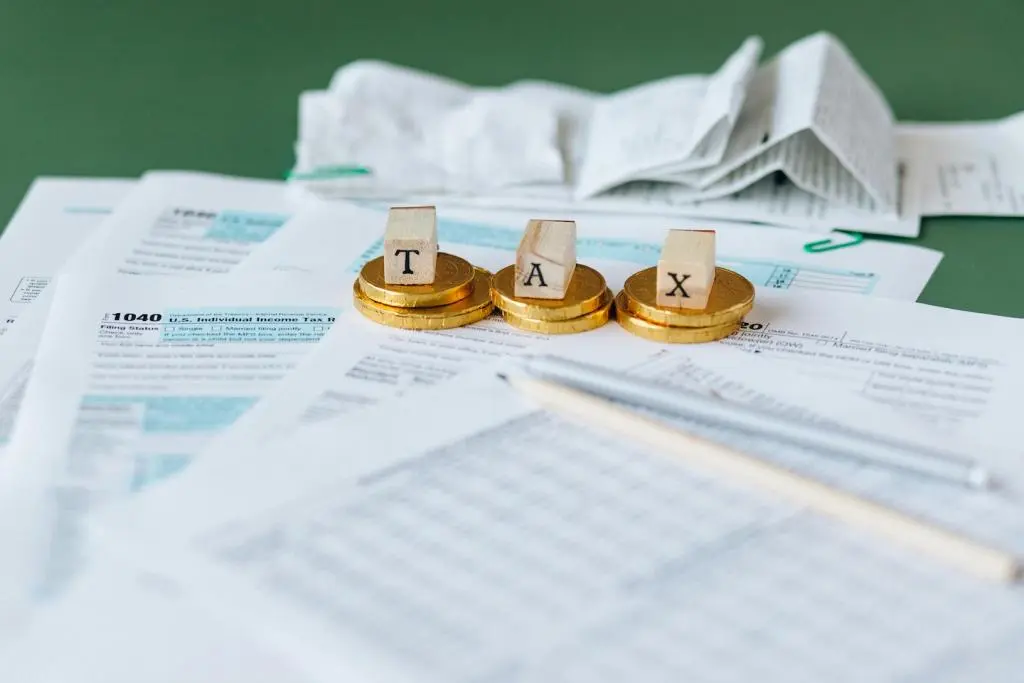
410,245
546,259
686,269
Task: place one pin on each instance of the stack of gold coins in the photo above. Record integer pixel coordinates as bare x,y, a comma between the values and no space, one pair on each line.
731,298
459,295
587,303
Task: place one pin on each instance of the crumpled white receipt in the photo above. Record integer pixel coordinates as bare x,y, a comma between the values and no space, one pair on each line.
420,132
413,131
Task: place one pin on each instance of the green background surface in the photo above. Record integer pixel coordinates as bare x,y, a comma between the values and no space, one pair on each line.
119,87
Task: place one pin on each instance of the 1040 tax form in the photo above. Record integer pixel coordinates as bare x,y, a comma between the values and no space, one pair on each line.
133,376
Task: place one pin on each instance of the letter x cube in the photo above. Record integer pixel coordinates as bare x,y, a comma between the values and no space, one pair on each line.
686,269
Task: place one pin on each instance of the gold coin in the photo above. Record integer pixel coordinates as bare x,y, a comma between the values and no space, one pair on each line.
669,335
583,323
585,293
732,297
453,280
474,307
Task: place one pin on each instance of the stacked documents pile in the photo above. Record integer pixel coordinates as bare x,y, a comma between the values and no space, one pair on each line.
213,469
804,140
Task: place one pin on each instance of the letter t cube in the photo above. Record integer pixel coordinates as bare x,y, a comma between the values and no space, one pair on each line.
410,245
686,269
545,259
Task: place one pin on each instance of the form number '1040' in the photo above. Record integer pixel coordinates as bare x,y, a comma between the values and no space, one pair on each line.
134,317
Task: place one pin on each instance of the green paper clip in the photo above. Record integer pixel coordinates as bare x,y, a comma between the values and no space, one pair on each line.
828,244
327,172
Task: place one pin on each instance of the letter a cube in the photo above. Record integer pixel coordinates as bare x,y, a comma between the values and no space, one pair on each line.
686,269
546,259
410,245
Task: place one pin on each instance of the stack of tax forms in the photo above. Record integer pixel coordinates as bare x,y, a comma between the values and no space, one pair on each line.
804,140
213,469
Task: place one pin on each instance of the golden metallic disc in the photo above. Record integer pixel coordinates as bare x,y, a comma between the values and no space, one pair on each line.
474,307
583,323
669,335
586,293
453,281
732,297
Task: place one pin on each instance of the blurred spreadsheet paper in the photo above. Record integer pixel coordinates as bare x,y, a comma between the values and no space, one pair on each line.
805,140
615,244
505,543
180,223
132,377
128,636
54,218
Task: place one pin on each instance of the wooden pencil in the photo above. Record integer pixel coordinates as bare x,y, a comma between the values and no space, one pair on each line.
958,550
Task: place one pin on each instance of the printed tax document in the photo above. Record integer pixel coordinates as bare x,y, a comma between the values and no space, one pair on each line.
186,223
812,114
53,219
18,347
489,540
960,372
617,245
896,354
132,377
356,231
142,621
966,168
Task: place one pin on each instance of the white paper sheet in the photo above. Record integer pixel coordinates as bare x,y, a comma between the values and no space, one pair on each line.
419,131
115,626
619,245
679,123
963,386
357,230
771,200
185,224
714,144
360,363
967,169
17,350
133,376
53,219
485,538
815,116
960,372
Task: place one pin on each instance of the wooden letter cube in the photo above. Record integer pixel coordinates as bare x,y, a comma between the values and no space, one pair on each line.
686,269
410,245
546,259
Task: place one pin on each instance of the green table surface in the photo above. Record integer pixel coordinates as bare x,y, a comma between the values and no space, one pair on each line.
118,87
